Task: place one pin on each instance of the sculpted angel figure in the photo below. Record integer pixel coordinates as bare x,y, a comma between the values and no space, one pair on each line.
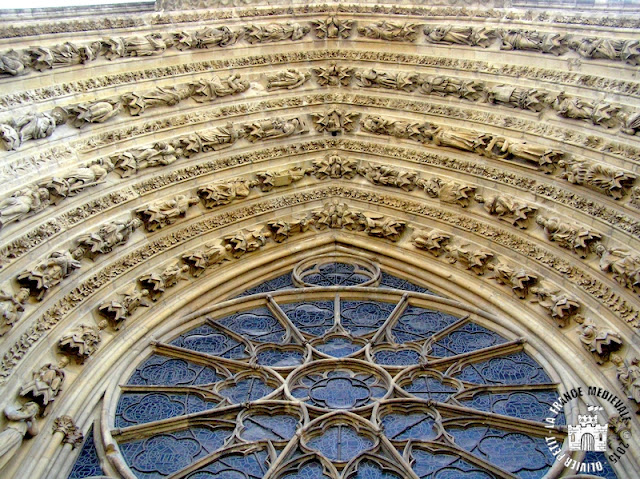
147,45
456,35
51,271
23,202
38,125
288,79
11,308
94,112
46,384
208,90
218,138
107,237
597,48
119,310
11,63
137,103
21,424
216,37
629,376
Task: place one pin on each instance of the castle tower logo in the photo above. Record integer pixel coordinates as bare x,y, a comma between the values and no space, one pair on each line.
589,434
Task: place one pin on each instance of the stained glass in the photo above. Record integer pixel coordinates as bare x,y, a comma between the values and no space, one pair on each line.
206,339
256,325
364,317
87,464
314,318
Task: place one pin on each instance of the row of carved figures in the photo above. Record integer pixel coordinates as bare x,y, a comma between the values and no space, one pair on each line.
36,126
43,58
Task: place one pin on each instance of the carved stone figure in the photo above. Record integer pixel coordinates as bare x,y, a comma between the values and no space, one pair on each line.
216,37
334,166
281,230
119,310
630,52
218,138
433,241
137,103
390,31
459,35
560,306
93,112
107,237
209,90
387,176
9,137
245,242
46,384
574,239
624,266
333,27
337,215
50,272
394,81
272,129
22,203
476,259
444,86
11,308
507,209
199,260
383,226
223,193
398,129
598,342
333,75
554,43
448,191
38,125
465,140
629,376
630,123
137,46
610,181
157,283
600,113
335,121
66,54
81,342
523,98
165,212
21,424
267,180
77,180
275,32
597,48
518,280
12,64
130,162
544,157
287,79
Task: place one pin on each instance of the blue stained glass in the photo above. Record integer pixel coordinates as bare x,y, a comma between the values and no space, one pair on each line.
340,443
607,470
234,466
308,470
392,282
163,371
364,317
275,284
403,357
517,368
469,337
246,389
161,455
368,469
335,274
280,358
206,339
417,324
427,387
531,405
402,427
257,325
138,408
338,347
278,427
313,318
445,466
87,464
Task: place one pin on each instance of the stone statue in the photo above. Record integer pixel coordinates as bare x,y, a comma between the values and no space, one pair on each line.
334,166
574,239
21,424
110,235
598,342
624,266
465,140
610,181
11,308
137,103
630,123
597,48
518,280
629,376
165,212
390,31
200,260
522,98
448,191
554,43
209,90
38,125
443,86
245,242
130,162
395,81
275,32
333,75
433,241
630,52
218,138
459,35
22,203
267,180
215,37
223,193
77,180
335,121
12,64
476,259
383,226
50,272
560,306
63,55
337,215
81,342
93,112
9,137
287,79
333,27
507,209
138,46
272,129
544,157
118,311
600,113
282,230
387,176
46,384
157,283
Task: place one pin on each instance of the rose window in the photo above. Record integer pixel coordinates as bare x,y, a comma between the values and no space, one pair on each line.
325,383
